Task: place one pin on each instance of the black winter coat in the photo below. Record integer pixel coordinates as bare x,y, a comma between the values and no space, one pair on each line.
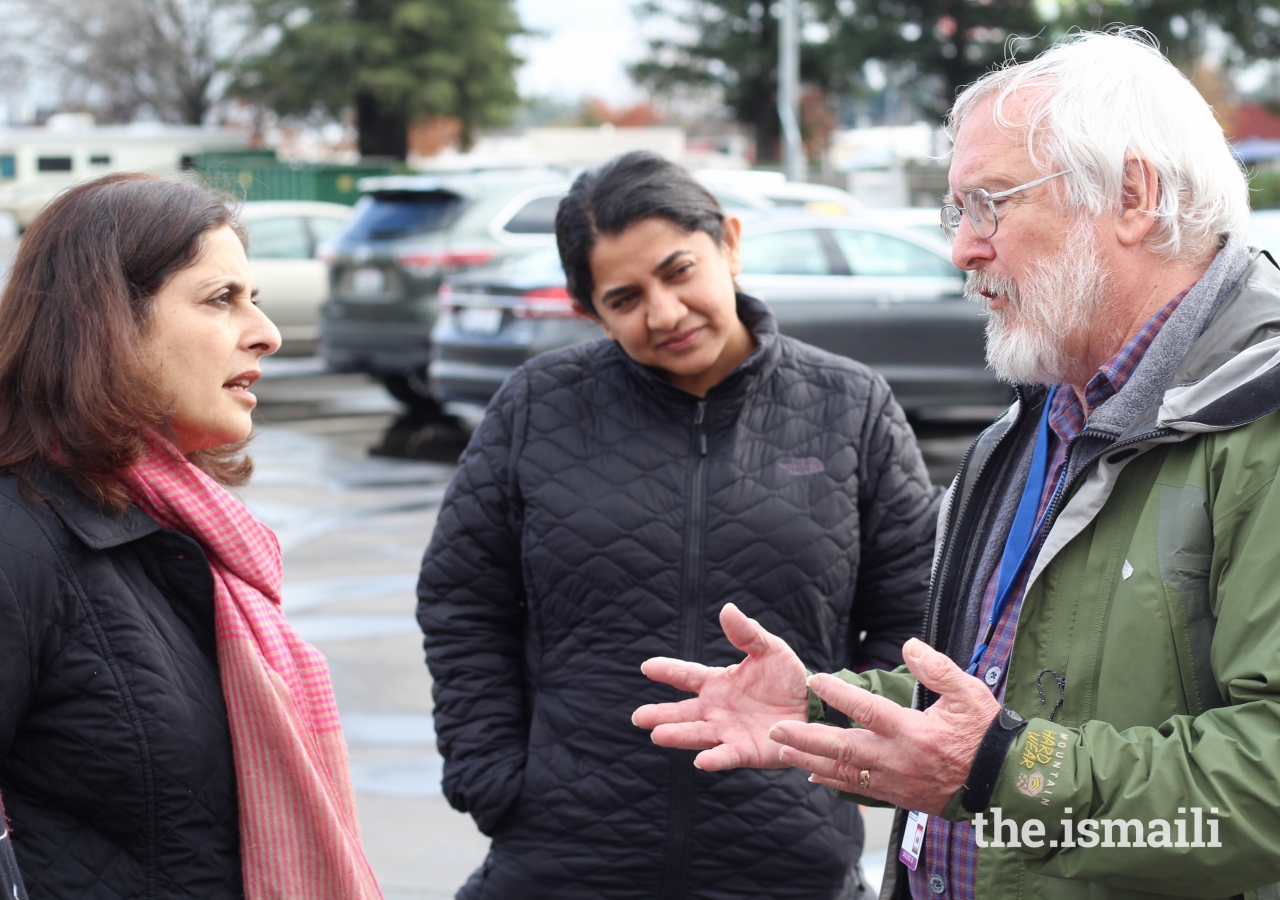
601,516
115,753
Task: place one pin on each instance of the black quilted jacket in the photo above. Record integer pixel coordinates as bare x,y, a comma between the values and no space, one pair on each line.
600,516
115,754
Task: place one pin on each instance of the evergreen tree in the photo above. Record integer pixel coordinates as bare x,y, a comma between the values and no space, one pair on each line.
735,49
391,61
934,47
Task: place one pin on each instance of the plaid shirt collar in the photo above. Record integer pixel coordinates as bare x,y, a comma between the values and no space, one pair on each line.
1067,417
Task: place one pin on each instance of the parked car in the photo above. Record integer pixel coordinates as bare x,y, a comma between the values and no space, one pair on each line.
405,235
883,295
494,319
925,220
292,283
410,232
745,190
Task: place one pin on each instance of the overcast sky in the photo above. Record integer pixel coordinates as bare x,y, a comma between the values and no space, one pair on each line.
583,50
586,47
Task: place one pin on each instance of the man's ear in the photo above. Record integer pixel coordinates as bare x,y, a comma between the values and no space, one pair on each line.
1139,194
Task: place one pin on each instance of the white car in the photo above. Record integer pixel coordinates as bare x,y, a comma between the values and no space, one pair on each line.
925,220
292,283
741,190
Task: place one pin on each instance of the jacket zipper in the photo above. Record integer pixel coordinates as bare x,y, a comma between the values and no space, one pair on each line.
690,644
954,519
931,633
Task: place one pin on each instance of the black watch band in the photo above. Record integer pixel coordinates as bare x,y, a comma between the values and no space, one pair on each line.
981,783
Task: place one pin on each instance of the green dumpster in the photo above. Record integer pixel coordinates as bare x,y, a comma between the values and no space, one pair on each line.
259,175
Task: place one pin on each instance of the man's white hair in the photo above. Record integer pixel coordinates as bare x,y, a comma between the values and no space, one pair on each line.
1096,99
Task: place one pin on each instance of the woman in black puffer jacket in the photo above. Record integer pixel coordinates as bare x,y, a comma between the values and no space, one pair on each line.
617,495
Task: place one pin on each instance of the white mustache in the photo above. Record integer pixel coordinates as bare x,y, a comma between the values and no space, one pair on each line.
982,286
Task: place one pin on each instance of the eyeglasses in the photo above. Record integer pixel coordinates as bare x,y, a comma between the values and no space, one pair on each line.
981,208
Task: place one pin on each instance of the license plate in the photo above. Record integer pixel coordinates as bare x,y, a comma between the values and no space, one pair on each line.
480,320
368,282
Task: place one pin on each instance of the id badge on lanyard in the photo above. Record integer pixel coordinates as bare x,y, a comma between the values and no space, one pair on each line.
913,840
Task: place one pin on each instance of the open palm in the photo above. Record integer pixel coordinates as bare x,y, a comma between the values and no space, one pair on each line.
736,706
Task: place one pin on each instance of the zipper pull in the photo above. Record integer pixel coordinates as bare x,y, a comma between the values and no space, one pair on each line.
701,413
702,444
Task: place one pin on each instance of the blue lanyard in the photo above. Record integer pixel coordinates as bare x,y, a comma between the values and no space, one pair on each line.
1021,534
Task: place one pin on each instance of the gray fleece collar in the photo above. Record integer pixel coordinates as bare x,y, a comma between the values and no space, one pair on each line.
1142,393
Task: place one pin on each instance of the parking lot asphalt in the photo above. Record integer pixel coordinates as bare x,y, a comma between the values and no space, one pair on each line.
353,525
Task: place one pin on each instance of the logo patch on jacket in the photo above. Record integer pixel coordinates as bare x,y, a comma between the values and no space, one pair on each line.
804,465
1031,783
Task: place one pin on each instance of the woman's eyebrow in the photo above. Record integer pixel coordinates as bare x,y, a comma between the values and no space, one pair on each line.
616,292
236,286
657,270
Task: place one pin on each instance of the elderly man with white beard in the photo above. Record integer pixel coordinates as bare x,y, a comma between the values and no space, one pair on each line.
1094,710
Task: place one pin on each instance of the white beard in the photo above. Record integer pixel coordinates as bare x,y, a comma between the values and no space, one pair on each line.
1032,339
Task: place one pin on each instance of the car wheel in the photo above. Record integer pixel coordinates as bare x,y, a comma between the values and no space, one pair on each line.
410,389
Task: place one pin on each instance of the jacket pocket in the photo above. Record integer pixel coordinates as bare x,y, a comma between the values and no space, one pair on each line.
1185,546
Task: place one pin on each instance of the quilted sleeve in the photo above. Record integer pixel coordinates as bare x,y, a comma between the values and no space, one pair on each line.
899,515
471,609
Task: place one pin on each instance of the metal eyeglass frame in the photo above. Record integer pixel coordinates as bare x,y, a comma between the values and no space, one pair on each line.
951,214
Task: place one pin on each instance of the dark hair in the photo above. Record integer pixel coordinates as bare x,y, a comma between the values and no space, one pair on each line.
76,394
610,199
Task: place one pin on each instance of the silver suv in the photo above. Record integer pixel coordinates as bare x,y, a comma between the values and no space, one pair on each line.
403,238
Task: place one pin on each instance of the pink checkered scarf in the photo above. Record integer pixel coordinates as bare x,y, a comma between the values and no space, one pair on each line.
299,837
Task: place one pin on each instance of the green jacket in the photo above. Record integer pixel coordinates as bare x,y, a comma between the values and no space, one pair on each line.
1156,594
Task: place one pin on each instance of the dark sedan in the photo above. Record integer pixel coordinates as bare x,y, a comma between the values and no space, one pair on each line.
886,296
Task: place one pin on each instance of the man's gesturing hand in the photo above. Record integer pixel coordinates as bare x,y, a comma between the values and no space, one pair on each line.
916,760
729,720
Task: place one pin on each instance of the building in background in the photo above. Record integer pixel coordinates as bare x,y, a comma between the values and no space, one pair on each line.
36,163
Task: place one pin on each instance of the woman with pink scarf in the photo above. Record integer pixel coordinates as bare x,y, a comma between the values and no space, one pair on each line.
163,731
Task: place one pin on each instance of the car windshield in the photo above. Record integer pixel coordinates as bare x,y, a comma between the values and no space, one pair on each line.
538,216
789,252
541,268
883,255
388,215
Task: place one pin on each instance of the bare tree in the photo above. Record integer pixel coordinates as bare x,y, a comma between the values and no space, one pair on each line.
123,58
